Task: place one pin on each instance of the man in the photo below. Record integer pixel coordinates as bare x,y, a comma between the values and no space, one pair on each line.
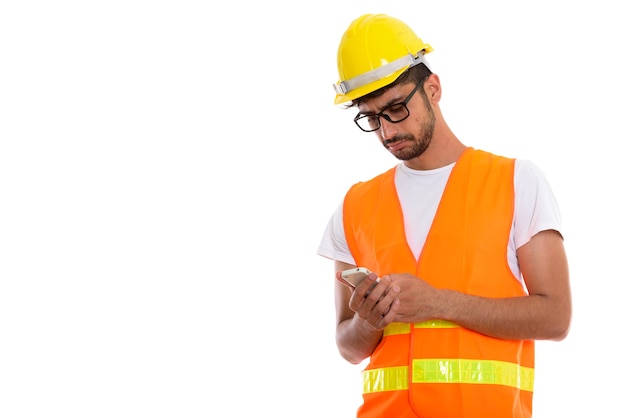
467,259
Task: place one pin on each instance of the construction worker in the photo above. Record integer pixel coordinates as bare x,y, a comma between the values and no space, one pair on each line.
467,261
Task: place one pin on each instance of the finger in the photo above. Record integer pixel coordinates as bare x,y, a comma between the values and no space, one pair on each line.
371,307
390,314
383,305
390,300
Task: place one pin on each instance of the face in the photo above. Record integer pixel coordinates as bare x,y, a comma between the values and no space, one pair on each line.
409,138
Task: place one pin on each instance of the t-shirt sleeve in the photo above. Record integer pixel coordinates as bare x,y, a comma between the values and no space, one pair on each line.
333,244
536,207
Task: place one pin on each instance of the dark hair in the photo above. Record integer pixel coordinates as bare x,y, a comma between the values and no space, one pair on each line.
414,75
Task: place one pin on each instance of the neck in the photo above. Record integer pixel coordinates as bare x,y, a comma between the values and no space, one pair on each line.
443,150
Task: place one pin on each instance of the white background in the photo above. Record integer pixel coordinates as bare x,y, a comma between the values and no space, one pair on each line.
167,169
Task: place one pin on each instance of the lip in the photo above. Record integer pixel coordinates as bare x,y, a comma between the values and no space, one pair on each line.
394,146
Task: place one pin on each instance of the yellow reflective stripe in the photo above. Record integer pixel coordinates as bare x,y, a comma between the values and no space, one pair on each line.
473,371
389,378
396,328
436,323
450,371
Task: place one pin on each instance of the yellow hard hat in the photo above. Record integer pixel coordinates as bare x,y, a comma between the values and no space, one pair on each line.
373,52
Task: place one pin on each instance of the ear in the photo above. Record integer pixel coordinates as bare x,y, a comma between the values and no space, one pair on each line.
432,87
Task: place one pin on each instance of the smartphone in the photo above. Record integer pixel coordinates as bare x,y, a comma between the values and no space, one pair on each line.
353,277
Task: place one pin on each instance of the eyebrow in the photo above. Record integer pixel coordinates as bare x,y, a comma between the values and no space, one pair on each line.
386,105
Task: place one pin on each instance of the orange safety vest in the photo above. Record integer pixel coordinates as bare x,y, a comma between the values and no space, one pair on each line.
437,368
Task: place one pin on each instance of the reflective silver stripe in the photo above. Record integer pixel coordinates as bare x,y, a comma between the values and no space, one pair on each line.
383,71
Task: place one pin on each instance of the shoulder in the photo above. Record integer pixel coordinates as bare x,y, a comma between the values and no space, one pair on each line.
372,184
528,173
490,161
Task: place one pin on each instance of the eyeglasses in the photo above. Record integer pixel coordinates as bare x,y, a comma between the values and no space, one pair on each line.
394,113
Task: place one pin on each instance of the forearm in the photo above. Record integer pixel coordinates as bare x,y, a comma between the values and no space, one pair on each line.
533,317
356,339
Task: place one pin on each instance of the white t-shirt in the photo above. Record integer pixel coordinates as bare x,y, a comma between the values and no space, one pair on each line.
420,191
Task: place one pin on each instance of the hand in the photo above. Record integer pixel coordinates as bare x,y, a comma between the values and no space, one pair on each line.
376,302
418,299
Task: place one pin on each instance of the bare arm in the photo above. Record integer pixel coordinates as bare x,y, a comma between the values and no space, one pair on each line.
362,314
544,314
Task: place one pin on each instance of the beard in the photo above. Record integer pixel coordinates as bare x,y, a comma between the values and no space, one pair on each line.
419,145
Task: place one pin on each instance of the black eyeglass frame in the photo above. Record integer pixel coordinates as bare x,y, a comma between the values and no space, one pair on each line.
384,115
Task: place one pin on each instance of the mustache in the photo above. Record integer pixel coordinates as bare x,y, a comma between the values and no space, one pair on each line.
396,138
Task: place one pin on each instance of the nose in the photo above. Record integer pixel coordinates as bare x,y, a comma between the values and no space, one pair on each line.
387,129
